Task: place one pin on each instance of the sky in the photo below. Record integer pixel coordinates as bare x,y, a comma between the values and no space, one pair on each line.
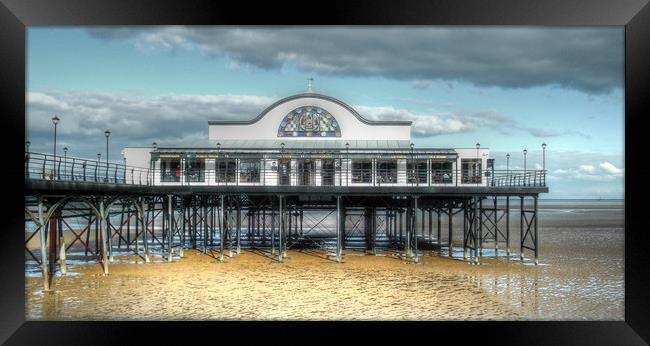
508,88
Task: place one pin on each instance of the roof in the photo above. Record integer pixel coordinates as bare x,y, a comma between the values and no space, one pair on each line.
312,95
314,144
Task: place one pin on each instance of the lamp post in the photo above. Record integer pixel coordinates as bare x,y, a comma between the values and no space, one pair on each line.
478,163
347,160
508,168
27,143
55,120
412,165
99,157
65,159
107,133
525,152
544,162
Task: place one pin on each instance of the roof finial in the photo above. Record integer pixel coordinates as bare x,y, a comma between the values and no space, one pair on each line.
309,84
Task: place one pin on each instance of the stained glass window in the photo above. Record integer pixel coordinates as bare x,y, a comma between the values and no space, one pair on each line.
309,121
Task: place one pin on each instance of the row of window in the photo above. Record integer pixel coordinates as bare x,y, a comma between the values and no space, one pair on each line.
361,171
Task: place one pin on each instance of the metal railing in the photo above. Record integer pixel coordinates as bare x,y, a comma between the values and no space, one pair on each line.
48,167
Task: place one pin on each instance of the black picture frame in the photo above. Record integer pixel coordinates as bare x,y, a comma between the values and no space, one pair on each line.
15,15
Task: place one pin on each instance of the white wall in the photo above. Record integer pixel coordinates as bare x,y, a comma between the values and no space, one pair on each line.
351,127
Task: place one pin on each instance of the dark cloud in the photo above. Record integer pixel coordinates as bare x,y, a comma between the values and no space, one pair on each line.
170,120
586,59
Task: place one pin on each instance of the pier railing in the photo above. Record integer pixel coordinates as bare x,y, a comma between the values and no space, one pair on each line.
48,167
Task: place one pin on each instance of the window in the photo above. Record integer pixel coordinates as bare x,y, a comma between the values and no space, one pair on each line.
471,171
417,175
306,172
441,172
226,171
284,172
387,171
361,171
327,172
170,170
195,170
249,171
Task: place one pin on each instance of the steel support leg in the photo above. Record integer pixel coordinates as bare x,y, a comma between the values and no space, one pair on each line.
103,232
521,229
170,232
221,228
144,230
508,226
535,229
450,215
338,229
61,243
44,259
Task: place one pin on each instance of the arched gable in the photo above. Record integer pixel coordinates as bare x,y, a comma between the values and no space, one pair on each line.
309,121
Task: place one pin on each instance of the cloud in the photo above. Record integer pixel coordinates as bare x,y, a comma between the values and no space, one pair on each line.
133,120
585,59
588,169
610,168
427,125
421,84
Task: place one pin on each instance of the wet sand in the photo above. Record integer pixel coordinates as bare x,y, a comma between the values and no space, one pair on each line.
253,286
580,277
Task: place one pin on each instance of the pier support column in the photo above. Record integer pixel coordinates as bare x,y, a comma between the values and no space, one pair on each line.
144,229
41,235
480,226
508,226
522,215
61,242
52,240
281,230
465,227
204,218
496,229
222,232
450,215
103,233
476,228
439,215
238,225
338,229
535,230
430,212
373,220
182,229
414,227
170,232
272,227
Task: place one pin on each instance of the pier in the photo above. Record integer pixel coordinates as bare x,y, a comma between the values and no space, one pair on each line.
120,213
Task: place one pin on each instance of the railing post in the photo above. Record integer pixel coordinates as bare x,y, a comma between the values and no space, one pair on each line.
132,177
84,167
58,169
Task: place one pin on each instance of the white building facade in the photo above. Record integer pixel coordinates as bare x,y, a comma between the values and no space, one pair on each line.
311,140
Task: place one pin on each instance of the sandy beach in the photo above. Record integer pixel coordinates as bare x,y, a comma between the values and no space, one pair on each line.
580,277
